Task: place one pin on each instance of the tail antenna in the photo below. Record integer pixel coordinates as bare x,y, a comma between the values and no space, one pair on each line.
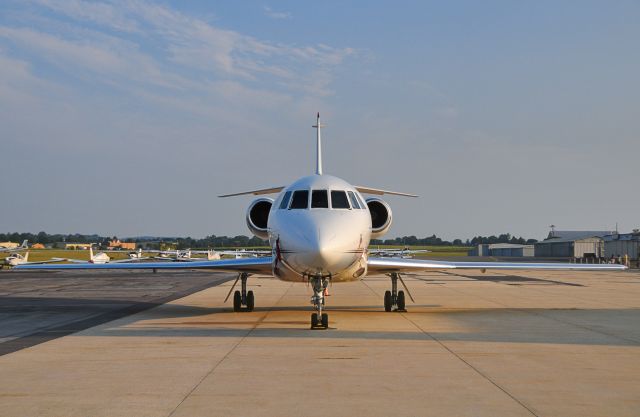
318,125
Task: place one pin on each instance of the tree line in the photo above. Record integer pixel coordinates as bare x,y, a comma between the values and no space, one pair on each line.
433,240
239,241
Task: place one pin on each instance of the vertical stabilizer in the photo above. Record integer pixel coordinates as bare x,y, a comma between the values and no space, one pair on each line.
90,253
318,125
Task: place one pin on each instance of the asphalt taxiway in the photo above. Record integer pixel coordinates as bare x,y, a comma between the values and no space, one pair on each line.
517,343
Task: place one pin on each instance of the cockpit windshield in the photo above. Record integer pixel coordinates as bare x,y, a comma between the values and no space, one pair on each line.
339,200
300,200
319,199
285,200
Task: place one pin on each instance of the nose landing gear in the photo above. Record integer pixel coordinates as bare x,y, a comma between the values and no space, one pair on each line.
394,300
319,320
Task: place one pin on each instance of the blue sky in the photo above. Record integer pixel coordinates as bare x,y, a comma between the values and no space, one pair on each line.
129,118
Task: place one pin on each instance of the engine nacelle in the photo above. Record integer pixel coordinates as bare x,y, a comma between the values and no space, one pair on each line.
258,217
381,217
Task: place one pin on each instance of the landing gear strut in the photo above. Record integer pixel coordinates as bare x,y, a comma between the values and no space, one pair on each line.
394,299
242,298
319,320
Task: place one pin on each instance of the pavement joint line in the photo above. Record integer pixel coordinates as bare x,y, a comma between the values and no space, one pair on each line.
478,371
531,280
539,314
233,348
444,346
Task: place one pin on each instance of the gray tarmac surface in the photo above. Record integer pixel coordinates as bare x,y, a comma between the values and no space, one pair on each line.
39,306
518,343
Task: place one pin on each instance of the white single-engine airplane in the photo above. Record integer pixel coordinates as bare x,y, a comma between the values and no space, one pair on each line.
25,245
101,258
319,228
16,259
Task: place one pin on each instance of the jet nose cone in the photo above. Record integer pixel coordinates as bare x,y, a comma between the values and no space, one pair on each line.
318,253
324,255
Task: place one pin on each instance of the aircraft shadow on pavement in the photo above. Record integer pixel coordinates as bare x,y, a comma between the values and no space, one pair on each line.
511,279
502,325
615,327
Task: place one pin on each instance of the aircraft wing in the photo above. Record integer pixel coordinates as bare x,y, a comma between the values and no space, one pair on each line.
53,260
388,265
272,190
376,191
249,265
126,260
390,252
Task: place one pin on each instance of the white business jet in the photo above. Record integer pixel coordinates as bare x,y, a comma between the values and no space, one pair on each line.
319,228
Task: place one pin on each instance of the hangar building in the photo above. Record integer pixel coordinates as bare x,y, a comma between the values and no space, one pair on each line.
502,249
572,244
622,244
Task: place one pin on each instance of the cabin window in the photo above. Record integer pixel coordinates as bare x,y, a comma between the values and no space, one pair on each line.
319,199
300,200
354,200
339,200
285,200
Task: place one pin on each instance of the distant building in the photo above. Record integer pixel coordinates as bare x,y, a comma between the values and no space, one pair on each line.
577,234
621,244
9,245
37,246
502,249
572,244
117,244
77,246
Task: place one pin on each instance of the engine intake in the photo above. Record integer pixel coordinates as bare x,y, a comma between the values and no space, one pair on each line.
258,217
381,216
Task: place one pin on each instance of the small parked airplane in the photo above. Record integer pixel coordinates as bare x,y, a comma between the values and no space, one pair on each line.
319,228
137,255
211,254
16,259
102,258
397,253
25,245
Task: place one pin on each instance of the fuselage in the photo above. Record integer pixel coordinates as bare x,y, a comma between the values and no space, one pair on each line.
99,258
16,259
319,226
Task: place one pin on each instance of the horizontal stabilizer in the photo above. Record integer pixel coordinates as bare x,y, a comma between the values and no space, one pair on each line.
271,190
368,190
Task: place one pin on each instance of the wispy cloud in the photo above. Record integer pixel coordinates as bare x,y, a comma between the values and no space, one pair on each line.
150,44
269,12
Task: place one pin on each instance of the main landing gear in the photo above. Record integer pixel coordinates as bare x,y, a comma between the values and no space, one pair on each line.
394,299
242,300
319,320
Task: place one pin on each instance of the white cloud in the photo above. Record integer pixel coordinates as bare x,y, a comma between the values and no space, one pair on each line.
183,43
103,14
269,12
